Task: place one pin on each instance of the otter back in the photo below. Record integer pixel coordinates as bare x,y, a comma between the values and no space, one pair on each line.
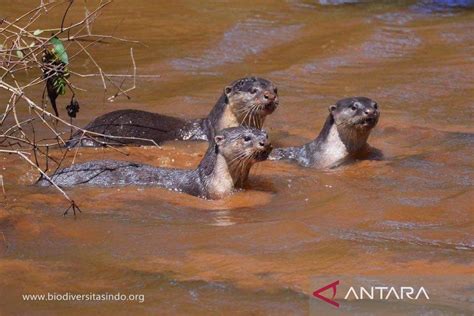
133,124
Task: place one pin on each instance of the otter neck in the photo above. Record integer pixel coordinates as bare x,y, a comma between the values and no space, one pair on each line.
354,139
222,116
219,176
227,119
220,182
236,169
219,118
337,142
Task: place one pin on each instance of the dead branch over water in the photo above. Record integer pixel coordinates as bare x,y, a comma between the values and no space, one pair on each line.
32,62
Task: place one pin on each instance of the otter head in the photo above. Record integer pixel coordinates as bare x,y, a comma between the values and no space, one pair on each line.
243,145
234,151
360,113
251,99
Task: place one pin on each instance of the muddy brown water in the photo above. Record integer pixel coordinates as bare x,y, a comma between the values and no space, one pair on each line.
257,251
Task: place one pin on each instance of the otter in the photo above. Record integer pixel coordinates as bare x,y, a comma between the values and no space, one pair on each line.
224,167
246,102
343,137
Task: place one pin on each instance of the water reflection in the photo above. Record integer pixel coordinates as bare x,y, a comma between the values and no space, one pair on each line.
223,218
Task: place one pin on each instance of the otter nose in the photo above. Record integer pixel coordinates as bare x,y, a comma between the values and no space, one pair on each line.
369,111
265,145
263,141
269,95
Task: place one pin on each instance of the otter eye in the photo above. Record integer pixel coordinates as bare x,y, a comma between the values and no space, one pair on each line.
376,106
275,90
253,90
247,138
353,107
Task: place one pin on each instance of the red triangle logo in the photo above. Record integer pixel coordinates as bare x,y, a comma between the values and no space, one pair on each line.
331,300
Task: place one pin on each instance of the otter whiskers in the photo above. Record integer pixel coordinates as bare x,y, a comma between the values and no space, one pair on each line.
250,117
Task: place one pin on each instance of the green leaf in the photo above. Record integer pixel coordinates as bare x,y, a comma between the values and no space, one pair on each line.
59,85
19,53
59,50
61,90
37,32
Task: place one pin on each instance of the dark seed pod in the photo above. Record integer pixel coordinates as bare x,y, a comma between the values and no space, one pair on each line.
72,108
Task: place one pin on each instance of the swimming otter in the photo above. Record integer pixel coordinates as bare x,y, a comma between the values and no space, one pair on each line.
245,102
226,165
343,137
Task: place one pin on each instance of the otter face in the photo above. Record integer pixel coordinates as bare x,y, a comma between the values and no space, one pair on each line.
243,145
251,99
358,112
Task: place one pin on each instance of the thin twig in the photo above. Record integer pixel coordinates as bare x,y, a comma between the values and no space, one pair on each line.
3,186
112,98
23,155
65,13
4,239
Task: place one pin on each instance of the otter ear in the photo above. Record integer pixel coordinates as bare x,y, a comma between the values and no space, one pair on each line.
219,139
227,90
332,108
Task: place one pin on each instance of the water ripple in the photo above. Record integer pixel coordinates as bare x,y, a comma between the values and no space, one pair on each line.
246,38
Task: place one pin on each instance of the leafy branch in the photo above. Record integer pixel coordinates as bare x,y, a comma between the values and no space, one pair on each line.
29,61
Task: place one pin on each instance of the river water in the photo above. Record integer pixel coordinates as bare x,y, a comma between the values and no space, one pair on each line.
257,251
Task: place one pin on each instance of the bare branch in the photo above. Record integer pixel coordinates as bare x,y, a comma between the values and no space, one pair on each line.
28,63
